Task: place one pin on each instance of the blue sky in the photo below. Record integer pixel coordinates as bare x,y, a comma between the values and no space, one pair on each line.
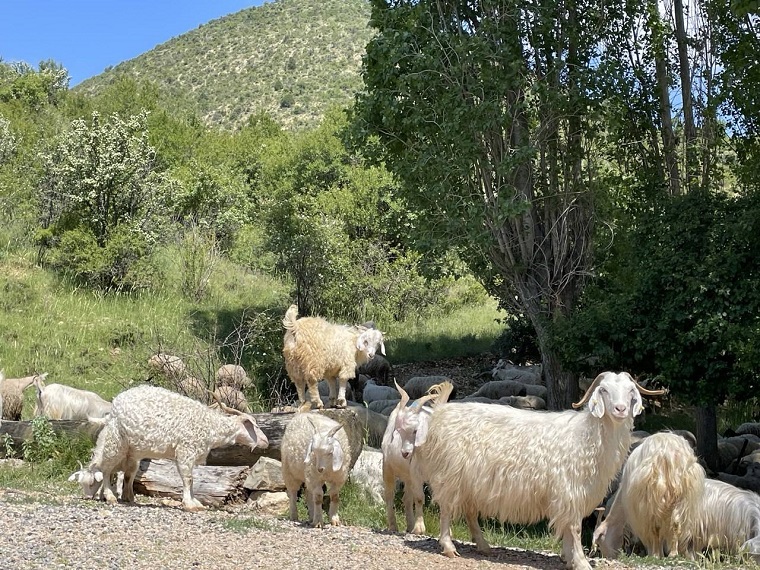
86,36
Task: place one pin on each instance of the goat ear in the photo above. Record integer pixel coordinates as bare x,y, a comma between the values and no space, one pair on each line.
307,459
422,428
337,456
638,404
75,476
596,404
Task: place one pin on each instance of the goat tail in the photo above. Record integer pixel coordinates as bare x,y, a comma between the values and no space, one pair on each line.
441,392
289,321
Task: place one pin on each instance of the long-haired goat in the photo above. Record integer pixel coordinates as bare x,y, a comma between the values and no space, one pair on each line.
658,497
728,519
148,422
523,466
61,402
406,427
314,348
315,450
12,392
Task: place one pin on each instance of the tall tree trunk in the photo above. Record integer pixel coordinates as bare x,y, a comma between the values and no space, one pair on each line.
665,111
707,435
690,132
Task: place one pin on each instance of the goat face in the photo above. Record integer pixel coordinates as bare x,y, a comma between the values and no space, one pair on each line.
369,341
412,427
325,452
617,395
250,434
89,481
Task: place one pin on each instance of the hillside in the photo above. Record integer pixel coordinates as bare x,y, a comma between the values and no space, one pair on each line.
290,58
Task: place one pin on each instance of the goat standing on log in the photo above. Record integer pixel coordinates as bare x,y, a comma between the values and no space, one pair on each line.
314,348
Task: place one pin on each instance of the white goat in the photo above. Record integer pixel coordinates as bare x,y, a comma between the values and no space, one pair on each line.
61,402
12,393
728,520
314,348
108,445
659,492
407,427
315,451
475,460
148,422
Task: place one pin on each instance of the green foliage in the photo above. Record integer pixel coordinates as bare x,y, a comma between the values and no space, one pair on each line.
99,200
242,64
41,446
34,89
684,306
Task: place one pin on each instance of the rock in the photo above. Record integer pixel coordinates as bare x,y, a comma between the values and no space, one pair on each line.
265,475
273,503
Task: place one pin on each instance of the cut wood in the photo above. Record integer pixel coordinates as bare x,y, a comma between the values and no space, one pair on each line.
213,486
272,424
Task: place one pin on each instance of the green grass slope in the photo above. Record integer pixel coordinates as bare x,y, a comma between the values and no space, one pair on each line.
290,58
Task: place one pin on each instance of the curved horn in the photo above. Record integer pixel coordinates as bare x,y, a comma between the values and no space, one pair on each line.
404,395
334,430
590,391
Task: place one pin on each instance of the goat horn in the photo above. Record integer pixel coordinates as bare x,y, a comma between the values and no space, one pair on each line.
404,395
334,430
590,391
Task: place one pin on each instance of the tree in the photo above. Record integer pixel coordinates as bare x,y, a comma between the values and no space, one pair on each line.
684,306
482,110
98,198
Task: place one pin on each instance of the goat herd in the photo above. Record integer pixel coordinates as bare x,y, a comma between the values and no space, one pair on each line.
478,459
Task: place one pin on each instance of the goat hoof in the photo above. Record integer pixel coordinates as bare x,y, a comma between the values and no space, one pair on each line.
194,507
450,553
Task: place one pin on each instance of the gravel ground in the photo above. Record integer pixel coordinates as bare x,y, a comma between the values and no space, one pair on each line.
68,532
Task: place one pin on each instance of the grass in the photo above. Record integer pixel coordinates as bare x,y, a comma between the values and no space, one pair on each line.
468,331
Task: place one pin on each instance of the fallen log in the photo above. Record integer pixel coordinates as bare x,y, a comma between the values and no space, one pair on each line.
213,486
272,424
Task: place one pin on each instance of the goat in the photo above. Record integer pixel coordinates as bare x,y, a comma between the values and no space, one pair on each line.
61,402
148,422
12,392
406,428
660,487
315,450
474,458
728,519
314,348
